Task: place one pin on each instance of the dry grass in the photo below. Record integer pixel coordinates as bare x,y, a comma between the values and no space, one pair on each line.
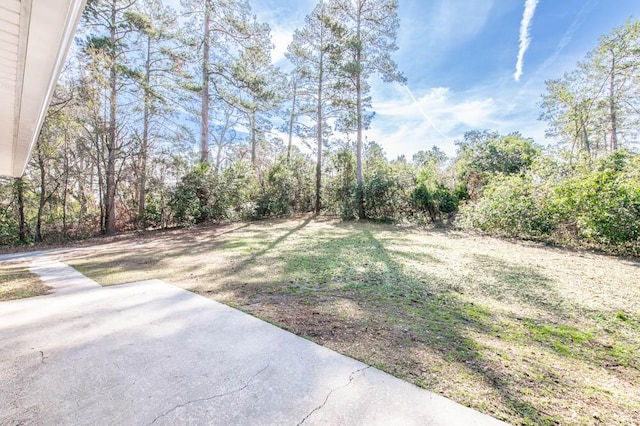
526,333
17,282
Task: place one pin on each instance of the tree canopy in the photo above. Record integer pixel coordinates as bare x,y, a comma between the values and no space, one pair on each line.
166,117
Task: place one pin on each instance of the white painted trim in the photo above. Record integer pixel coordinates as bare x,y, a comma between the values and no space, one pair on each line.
23,44
74,12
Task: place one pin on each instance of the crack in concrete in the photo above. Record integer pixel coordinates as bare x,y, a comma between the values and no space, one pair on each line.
319,407
240,389
42,357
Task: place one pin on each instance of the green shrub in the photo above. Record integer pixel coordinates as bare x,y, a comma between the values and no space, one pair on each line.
287,187
510,206
603,202
237,192
436,201
202,195
8,230
191,198
386,186
153,214
380,195
483,154
340,189
585,203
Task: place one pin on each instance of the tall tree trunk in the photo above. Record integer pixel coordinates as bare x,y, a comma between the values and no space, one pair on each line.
101,190
318,203
43,188
292,118
254,141
612,106
22,225
110,193
204,136
66,186
359,178
142,195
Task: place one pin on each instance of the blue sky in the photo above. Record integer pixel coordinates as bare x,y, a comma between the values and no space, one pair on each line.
460,58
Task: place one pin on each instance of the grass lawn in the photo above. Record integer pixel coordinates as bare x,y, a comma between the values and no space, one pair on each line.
17,282
526,333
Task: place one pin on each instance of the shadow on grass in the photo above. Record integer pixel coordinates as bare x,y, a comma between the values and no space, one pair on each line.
397,312
102,270
253,258
516,283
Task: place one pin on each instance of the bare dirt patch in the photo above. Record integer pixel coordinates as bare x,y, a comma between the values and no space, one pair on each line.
526,333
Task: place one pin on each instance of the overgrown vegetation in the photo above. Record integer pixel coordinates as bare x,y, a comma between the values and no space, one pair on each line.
592,202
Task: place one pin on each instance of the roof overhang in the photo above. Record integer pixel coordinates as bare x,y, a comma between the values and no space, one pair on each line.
35,36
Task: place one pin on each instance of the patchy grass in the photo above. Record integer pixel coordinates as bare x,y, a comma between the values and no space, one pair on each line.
526,333
17,282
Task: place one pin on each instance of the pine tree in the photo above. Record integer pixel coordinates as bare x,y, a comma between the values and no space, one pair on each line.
315,53
369,37
155,25
105,18
215,32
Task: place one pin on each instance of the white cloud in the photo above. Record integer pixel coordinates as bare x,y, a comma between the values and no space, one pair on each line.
445,110
525,35
405,125
401,128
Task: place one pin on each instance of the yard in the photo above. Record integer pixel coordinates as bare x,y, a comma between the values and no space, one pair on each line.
527,333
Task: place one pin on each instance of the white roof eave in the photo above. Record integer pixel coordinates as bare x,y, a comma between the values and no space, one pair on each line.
35,36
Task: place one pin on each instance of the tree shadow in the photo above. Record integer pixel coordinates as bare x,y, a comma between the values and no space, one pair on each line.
347,292
253,258
510,282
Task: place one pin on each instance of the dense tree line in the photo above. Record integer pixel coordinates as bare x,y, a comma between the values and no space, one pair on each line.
165,118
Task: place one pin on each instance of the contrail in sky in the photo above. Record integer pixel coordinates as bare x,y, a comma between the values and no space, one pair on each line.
525,35
424,114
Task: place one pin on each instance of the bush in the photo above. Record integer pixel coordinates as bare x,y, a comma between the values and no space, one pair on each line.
202,195
287,187
602,203
386,186
153,213
597,205
339,193
510,206
8,230
381,195
236,192
485,154
276,198
435,201
191,199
